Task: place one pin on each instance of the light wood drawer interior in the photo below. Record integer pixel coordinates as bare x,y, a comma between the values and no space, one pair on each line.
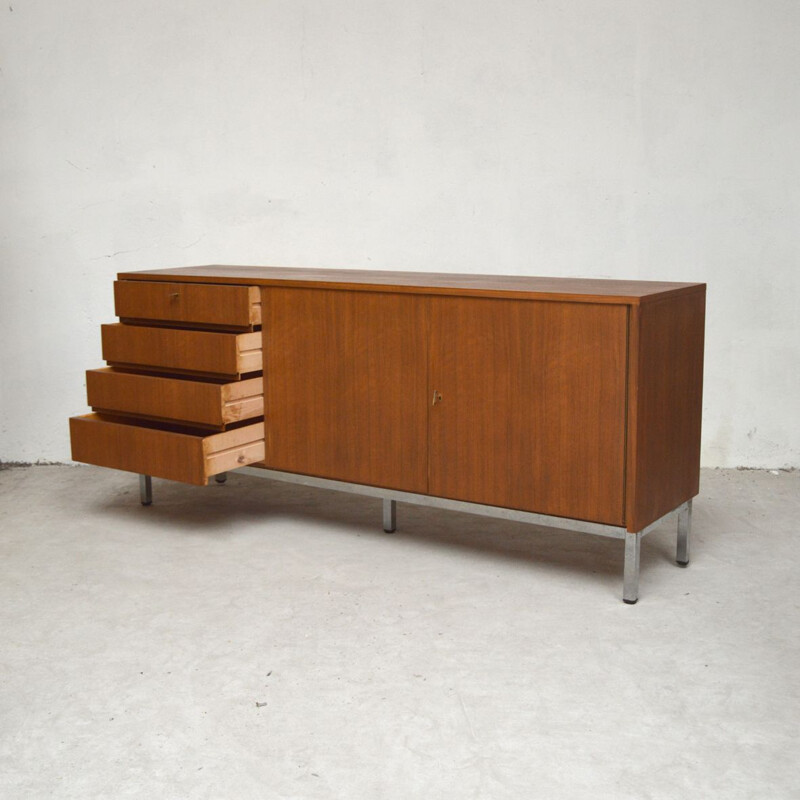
189,400
182,351
218,306
164,452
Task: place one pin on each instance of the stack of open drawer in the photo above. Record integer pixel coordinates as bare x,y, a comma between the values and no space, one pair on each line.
183,395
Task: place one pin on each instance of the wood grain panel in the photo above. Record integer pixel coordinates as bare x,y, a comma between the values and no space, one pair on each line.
666,402
532,410
187,400
221,306
430,283
345,386
167,349
152,450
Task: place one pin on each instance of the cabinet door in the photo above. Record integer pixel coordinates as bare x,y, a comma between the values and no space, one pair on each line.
532,408
345,381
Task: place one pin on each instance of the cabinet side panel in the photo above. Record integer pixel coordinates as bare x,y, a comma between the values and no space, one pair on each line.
666,393
345,383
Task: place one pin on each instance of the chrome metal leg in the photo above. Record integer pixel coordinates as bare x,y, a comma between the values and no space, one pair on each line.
221,478
389,515
145,489
684,530
630,580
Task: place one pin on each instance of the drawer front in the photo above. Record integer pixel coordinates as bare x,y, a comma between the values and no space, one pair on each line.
182,351
237,307
149,450
193,401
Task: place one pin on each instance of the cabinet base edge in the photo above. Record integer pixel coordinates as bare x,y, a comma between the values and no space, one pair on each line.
546,520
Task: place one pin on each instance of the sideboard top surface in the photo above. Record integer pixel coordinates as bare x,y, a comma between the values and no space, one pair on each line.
597,290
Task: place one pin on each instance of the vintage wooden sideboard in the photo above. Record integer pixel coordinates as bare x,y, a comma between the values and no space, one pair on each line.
567,402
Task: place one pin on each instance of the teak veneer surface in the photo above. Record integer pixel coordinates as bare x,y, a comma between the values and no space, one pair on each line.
520,286
665,406
205,304
192,401
579,398
345,386
530,406
163,453
182,351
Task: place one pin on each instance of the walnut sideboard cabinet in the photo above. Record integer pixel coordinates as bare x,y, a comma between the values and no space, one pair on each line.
565,402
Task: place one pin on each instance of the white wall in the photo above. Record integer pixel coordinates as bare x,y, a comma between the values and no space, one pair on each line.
615,139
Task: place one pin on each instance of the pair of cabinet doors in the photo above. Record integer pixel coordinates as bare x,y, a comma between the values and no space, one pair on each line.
515,403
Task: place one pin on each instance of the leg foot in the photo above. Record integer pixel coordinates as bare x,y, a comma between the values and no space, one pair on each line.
146,489
389,515
684,530
221,478
630,580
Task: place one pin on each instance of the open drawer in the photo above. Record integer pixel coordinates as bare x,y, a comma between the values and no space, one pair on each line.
161,451
190,400
199,304
181,351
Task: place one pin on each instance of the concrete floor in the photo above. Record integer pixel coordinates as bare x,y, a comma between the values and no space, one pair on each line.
261,640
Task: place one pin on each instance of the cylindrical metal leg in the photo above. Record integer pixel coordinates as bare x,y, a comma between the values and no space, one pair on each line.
630,580
684,530
389,515
145,489
221,478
